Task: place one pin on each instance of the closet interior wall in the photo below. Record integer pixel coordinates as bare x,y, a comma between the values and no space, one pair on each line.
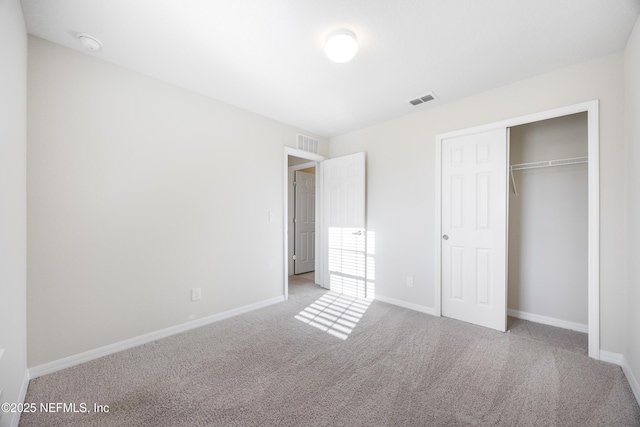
548,229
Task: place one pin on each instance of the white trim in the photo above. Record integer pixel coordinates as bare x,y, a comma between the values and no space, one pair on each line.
404,304
291,208
320,254
288,151
610,357
633,382
592,110
76,359
305,165
551,321
15,419
523,120
593,285
437,311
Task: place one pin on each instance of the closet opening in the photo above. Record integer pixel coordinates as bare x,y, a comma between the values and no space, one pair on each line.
522,299
548,235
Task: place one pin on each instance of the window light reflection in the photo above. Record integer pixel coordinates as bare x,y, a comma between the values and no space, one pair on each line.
334,313
351,261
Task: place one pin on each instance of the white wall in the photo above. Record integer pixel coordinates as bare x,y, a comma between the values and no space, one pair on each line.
632,181
139,191
400,173
548,227
13,214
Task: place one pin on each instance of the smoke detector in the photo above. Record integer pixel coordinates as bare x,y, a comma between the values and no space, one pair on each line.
89,41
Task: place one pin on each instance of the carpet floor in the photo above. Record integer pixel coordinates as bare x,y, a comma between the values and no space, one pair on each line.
321,359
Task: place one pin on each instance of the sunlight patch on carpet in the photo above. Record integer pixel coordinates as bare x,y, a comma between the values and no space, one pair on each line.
334,313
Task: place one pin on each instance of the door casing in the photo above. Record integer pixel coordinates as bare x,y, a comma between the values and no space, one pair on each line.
592,110
294,152
302,219
290,207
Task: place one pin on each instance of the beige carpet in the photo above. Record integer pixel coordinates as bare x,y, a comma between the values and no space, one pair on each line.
283,366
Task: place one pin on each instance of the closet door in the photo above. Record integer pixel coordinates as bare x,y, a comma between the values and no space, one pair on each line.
474,227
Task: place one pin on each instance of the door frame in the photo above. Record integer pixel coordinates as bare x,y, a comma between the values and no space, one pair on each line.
593,143
292,208
318,159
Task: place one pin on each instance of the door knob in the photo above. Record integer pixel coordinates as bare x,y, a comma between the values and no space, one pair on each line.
445,237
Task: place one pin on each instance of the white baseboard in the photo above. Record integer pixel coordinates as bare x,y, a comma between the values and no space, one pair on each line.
21,396
558,323
633,382
620,360
86,356
409,305
609,357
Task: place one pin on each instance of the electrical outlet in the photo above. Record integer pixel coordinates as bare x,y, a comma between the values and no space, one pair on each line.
410,281
196,294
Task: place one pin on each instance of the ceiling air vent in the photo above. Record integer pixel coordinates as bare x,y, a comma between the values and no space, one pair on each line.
424,98
307,143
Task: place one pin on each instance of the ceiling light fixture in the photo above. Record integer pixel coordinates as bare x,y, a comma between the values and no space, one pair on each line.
89,42
341,45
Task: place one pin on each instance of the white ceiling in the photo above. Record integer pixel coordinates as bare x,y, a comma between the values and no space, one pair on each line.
267,56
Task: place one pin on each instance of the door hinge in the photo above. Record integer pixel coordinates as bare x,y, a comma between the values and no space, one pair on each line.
295,220
294,257
295,183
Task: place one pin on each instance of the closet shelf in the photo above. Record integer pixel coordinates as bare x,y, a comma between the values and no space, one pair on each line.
548,163
544,164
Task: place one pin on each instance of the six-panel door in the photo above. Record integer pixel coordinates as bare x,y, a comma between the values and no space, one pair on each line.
474,228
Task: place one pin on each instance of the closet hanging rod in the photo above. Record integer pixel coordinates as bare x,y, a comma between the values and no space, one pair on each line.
549,163
543,164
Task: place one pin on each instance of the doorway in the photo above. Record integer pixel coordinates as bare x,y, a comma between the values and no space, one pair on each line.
548,223
593,252
341,237
302,215
295,159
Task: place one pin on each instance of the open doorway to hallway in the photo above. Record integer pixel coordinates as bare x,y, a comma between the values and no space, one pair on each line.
302,226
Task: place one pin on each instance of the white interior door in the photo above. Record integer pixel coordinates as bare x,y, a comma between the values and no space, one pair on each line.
344,225
304,222
474,228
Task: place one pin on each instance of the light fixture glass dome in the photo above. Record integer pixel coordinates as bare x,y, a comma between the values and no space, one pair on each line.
341,45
